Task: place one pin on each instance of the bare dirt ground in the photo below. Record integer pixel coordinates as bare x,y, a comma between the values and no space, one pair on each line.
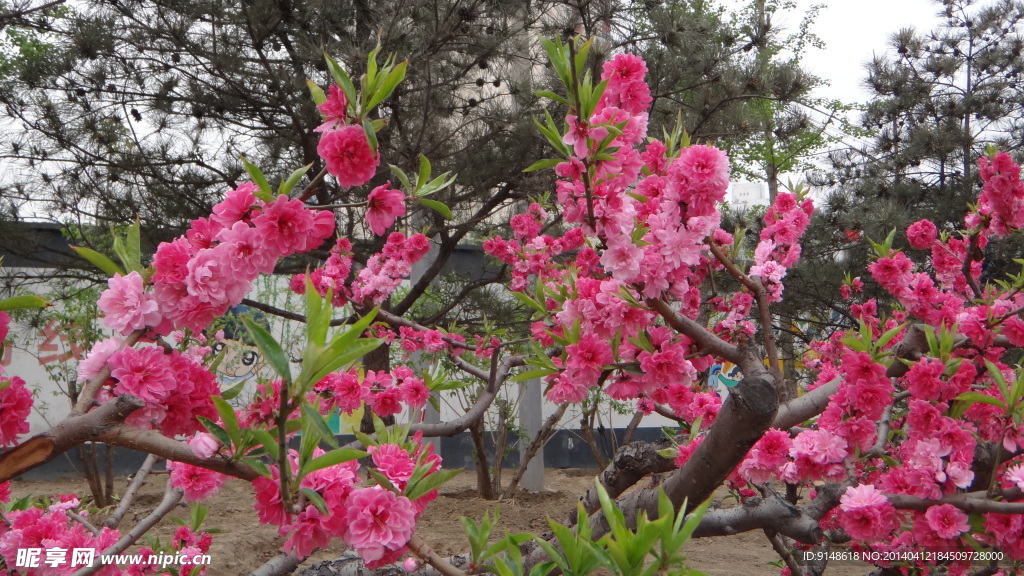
244,544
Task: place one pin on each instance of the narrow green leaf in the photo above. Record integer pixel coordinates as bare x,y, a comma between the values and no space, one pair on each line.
386,87
215,429
293,180
543,164
973,397
317,500
364,439
230,419
342,79
424,174
234,391
382,481
318,319
402,177
525,299
429,483
436,206
268,441
99,260
317,420
133,245
319,97
22,302
551,96
333,360
332,458
271,350
371,136
531,374
997,375
264,193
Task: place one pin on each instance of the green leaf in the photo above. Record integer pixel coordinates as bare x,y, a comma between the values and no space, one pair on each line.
887,336
424,174
402,177
382,481
551,96
393,78
271,350
972,397
531,374
133,245
216,430
22,302
98,260
268,441
333,458
429,483
436,206
234,391
997,375
317,500
227,415
264,193
319,97
342,79
543,164
371,136
318,317
317,419
293,180
525,299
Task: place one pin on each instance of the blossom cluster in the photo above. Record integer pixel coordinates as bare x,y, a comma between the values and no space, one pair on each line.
779,248
383,392
52,529
372,520
637,219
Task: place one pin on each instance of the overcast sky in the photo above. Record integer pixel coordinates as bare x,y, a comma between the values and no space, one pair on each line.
853,30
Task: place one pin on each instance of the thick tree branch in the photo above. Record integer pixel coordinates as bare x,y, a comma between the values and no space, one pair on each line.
708,342
71,432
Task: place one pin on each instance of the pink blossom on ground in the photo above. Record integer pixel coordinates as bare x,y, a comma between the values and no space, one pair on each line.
383,206
348,155
197,483
379,522
126,306
947,521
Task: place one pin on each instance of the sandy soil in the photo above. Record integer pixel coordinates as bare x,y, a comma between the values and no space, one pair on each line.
244,544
